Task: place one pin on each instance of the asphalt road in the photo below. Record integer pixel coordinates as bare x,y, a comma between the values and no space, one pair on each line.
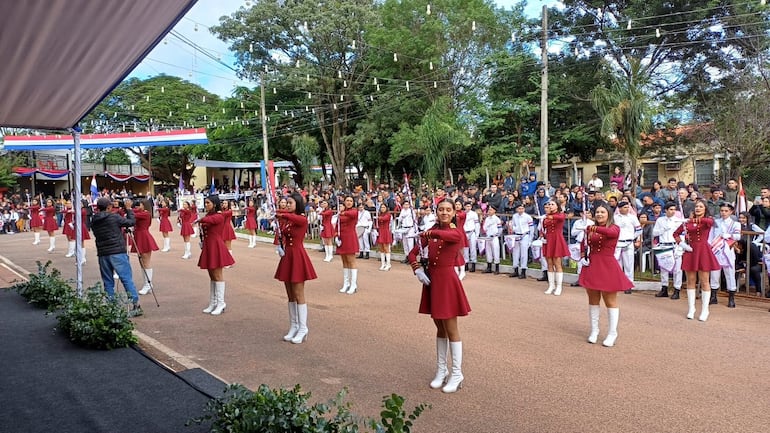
527,365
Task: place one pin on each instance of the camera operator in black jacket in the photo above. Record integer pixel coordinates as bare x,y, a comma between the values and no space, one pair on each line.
111,249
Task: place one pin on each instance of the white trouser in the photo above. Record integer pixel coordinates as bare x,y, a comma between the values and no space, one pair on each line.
729,278
677,271
470,252
625,256
520,252
408,242
493,250
363,243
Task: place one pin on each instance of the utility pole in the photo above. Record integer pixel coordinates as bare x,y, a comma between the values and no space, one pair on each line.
544,102
264,129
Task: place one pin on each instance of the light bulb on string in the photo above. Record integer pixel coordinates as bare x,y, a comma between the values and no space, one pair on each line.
513,37
342,97
275,90
473,26
251,47
309,95
223,110
132,107
407,86
577,53
255,113
266,70
307,78
297,64
378,87
345,83
339,74
236,119
147,98
628,26
304,25
276,107
204,117
242,104
657,33
204,99
427,10
431,66
354,44
375,81
395,57
285,112
307,108
435,85
334,106
187,106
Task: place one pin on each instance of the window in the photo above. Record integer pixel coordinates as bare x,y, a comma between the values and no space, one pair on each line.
558,175
704,172
650,174
604,173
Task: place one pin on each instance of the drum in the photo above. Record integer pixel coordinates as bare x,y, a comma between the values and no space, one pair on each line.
664,255
510,241
574,252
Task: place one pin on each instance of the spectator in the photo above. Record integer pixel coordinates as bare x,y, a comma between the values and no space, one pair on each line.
595,184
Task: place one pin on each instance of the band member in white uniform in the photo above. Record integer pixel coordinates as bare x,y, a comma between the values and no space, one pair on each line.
578,232
492,230
520,226
427,220
664,231
408,227
471,227
729,230
629,239
363,230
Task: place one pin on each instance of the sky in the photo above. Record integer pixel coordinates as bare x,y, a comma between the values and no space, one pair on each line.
173,57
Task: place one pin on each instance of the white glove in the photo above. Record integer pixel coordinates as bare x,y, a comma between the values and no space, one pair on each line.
685,246
422,276
279,250
338,241
70,225
540,217
584,262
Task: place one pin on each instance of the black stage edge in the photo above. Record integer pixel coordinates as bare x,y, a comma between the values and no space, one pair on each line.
48,384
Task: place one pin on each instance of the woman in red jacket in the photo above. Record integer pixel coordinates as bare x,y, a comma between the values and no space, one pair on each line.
443,296
601,274
214,255
384,236
185,217
554,246
164,211
142,242
348,247
698,259
35,222
329,230
295,267
251,222
228,235
49,223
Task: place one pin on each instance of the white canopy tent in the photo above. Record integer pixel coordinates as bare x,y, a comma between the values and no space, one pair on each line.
62,57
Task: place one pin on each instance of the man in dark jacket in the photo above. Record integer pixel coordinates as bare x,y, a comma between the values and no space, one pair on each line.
111,250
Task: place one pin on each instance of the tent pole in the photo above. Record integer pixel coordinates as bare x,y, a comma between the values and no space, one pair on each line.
77,206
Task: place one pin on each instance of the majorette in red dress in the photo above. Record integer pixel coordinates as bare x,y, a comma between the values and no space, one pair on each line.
697,236
165,222
145,243
69,225
185,218
295,265
329,230
384,235
348,219
603,271
49,221
554,245
214,254
228,233
34,217
445,297
251,218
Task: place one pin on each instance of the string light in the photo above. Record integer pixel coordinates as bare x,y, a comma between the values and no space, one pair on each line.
431,66
473,26
407,86
628,26
427,11
395,57
162,89
657,33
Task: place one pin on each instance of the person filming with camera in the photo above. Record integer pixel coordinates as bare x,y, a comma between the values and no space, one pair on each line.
111,249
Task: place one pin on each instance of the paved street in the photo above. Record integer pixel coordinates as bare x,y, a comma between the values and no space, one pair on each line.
527,365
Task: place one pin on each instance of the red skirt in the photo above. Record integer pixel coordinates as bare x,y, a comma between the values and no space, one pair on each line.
385,236
215,255
349,241
228,232
445,297
165,225
34,220
251,222
555,246
295,266
187,229
145,243
50,224
604,274
700,259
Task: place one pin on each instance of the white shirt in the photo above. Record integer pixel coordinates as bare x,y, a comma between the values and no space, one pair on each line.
595,184
406,217
579,229
726,228
428,221
492,225
521,224
664,229
472,223
629,225
364,219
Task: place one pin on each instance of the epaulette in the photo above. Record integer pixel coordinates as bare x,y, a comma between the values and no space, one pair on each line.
452,225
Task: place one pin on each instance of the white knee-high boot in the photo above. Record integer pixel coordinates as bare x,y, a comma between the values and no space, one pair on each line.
51,243
329,253
705,297
612,315
212,298
593,315
147,287
70,249
293,322
37,238
559,281
382,261
353,281
456,379
690,303
252,241
187,253
442,348
387,262
302,322
345,280
551,283
166,245
83,256
219,286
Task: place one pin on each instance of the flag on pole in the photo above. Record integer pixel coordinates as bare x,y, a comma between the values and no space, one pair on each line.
237,187
741,205
213,189
181,183
94,189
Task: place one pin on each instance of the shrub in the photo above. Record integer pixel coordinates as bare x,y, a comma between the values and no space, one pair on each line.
95,322
45,290
286,410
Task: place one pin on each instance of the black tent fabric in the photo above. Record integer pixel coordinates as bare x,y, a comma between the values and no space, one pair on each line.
48,384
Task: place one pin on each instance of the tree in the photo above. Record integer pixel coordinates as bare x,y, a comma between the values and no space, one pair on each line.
625,112
115,156
312,48
7,176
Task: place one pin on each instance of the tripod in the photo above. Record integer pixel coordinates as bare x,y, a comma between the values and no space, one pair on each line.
141,265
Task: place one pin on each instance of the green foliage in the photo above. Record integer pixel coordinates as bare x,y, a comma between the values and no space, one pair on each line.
282,410
96,322
116,156
7,176
45,289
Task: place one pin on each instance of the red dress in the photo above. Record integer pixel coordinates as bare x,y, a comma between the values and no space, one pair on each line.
34,217
49,221
329,230
214,254
697,234
68,225
460,217
185,217
445,297
603,271
554,245
295,266
385,236
228,232
165,222
251,218
348,235
145,243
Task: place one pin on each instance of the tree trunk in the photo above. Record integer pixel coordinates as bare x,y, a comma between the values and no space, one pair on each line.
334,146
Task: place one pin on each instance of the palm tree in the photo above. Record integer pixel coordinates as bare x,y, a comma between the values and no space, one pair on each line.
625,111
